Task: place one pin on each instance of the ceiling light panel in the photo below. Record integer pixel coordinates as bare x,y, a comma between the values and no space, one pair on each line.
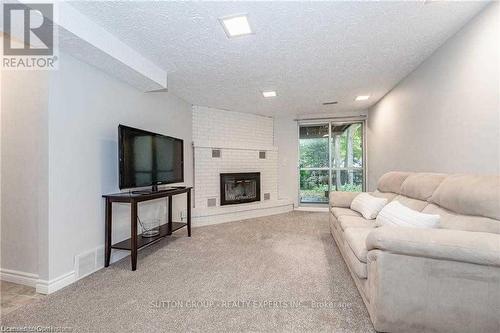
269,94
362,97
235,26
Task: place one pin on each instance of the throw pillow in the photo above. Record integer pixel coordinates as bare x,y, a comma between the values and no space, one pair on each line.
368,205
396,214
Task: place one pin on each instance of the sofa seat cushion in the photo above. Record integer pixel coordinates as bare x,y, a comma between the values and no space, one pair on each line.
355,222
357,267
338,212
355,238
334,223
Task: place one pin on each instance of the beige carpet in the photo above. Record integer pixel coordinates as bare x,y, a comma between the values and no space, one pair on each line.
276,273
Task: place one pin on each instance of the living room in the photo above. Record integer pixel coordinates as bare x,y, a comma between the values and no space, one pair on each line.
250,166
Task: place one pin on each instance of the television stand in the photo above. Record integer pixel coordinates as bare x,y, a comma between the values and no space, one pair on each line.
136,241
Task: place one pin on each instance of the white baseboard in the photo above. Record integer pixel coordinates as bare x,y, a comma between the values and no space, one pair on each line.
48,287
117,255
312,209
27,279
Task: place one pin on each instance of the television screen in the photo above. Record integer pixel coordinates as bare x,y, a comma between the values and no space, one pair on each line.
148,159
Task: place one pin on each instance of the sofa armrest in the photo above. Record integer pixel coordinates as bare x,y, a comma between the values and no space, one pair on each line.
342,199
465,246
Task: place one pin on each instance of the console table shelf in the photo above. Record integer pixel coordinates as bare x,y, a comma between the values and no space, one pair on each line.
136,241
145,241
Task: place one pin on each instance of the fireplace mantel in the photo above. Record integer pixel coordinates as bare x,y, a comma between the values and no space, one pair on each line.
231,145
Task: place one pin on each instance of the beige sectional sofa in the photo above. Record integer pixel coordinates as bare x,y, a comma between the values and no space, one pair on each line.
427,280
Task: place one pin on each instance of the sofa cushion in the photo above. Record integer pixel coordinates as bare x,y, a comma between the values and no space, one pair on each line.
473,247
387,195
411,203
342,199
470,195
421,186
368,205
451,220
359,268
396,214
356,239
338,212
392,181
355,222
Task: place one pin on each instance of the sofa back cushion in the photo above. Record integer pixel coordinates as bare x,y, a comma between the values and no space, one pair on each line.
451,220
392,181
411,203
421,185
386,195
469,195
464,202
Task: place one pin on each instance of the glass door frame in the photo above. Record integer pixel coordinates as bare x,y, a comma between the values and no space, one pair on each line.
330,170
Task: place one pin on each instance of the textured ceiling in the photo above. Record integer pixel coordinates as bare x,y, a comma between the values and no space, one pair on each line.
309,52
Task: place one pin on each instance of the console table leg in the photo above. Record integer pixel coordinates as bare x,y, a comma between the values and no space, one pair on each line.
107,232
189,212
169,216
133,223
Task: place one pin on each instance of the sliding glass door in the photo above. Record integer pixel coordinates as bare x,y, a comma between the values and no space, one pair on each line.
347,157
331,158
314,157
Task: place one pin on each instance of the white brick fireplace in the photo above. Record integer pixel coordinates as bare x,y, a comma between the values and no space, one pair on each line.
232,142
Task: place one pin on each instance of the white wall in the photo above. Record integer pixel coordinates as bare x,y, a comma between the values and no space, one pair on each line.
24,126
286,139
444,117
85,108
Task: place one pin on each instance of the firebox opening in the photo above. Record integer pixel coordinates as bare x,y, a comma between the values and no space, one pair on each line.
238,188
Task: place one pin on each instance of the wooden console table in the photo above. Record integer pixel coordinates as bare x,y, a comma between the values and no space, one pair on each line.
136,242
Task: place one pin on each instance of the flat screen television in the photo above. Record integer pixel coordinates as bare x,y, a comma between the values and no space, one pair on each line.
149,159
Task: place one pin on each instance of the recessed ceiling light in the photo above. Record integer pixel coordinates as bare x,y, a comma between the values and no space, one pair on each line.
236,25
269,93
362,97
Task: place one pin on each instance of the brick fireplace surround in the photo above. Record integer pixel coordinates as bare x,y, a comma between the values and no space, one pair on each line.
232,142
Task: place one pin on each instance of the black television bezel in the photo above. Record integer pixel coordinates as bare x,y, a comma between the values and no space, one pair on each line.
121,161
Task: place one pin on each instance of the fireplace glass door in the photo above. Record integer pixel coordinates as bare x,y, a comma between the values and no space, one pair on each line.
238,188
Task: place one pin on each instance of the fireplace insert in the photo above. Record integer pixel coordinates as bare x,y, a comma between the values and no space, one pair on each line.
238,188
